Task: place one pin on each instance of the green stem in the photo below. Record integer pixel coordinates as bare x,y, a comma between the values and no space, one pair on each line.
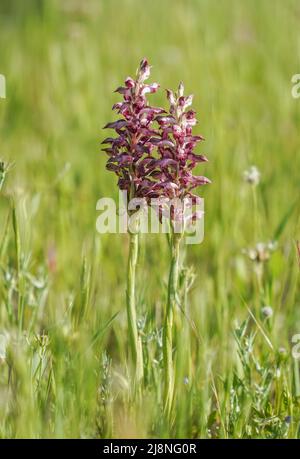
255,214
135,341
20,316
168,325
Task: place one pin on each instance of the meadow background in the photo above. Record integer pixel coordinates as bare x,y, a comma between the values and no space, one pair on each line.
63,364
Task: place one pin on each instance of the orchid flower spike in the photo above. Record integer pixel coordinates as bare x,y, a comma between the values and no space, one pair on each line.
130,151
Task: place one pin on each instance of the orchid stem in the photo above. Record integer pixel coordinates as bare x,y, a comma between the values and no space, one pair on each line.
168,325
135,341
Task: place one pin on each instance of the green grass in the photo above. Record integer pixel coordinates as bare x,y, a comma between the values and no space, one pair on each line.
64,368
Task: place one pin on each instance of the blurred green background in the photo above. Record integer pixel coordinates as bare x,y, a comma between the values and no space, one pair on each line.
66,374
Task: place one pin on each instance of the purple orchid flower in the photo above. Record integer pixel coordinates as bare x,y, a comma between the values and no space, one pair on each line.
173,170
130,152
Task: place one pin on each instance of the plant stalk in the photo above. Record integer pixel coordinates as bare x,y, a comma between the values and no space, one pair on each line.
168,325
20,313
135,341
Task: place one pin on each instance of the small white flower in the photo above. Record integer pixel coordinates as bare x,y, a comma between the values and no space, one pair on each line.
252,176
267,311
261,252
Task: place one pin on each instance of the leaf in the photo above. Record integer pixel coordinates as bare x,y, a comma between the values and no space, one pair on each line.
102,330
284,221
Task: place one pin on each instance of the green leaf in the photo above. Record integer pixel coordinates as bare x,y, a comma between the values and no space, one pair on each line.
284,221
102,330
